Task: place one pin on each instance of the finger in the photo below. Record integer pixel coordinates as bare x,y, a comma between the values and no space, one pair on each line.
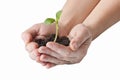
59,49
34,54
26,37
41,62
31,46
30,33
48,51
50,65
50,59
79,37
44,63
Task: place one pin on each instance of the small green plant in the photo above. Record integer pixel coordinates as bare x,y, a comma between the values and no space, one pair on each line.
52,20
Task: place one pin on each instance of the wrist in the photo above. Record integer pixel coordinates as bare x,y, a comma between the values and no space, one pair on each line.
89,31
95,29
65,26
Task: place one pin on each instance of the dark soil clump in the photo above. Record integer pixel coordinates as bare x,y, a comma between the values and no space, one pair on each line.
61,40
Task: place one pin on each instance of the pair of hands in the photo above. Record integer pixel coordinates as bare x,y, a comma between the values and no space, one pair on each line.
53,53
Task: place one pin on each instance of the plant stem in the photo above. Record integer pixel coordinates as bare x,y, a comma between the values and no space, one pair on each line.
57,30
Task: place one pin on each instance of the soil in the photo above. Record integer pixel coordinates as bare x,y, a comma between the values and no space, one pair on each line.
61,40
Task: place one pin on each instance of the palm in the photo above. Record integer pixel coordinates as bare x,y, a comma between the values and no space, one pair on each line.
36,32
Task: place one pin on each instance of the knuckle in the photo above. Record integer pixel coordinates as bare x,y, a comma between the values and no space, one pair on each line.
30,47
38,59
27,48
44,57
35,52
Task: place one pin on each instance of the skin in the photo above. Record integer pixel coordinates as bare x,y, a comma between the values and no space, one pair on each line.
102,21
96,23
74,12
38,31
81,35
65,55
106,13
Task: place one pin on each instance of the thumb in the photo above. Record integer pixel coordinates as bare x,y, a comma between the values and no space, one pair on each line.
80,34
30,33
26,37
76,43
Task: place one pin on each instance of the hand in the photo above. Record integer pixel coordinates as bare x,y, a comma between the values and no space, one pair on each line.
74,53
37,31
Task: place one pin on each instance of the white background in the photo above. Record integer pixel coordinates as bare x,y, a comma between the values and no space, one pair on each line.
101,63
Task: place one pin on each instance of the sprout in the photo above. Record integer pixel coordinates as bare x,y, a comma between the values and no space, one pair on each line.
52,20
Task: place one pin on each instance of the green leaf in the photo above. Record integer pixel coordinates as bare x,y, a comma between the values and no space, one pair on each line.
49,21
58,14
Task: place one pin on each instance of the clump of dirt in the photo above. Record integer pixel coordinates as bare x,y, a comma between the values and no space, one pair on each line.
61,40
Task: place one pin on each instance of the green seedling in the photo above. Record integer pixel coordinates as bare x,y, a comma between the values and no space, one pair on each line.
52,20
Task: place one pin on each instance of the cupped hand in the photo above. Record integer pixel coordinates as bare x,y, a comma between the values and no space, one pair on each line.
80,37
35,32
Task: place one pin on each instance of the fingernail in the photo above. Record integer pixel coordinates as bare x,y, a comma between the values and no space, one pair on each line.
49,45
42,49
